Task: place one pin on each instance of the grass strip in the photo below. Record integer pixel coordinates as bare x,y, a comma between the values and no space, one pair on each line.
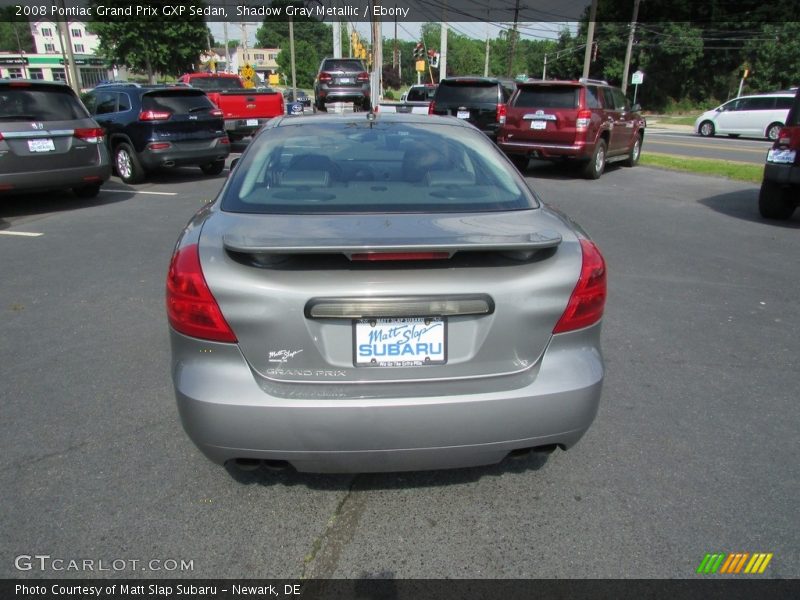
740,171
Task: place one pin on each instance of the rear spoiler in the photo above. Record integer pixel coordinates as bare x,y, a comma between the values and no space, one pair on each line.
530,243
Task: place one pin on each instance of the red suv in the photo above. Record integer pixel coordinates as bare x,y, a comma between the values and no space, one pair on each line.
587,120
780,189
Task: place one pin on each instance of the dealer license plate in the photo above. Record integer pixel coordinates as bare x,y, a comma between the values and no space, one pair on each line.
538,124
463,114
400,342
45,145
252,122
781,156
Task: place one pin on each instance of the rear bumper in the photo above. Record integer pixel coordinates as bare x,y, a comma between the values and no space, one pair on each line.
56,178
783,174
179,154
228,415
580,150
245,126
344,94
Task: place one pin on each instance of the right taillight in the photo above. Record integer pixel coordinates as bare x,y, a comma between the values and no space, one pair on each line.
588,299
362,77
584,118
191,307
431,107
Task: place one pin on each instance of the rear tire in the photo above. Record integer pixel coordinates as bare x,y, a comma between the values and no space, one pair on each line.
773,130
214,168
597,164
127,164
706,129
635,152
87,191
520,161
774,201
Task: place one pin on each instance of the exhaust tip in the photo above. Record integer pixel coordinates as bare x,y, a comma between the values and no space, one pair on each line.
247,464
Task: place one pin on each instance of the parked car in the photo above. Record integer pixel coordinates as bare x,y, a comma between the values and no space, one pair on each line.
585,120
244,109
48,140
416,100
780,189
302,97
478,100
760,115
342,80
382,293
154,127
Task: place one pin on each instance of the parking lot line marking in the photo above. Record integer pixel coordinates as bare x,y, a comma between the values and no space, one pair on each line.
141,192
21,233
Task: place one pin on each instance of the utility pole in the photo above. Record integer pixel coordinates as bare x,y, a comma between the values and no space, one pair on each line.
337,39
69,57
291,55
443,52
377,57
513,46
227,49
631,35
587,57
486,57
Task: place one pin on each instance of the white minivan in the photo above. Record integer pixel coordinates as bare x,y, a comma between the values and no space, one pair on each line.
760,115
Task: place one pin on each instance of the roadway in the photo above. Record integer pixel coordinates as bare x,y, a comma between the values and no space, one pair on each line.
682,142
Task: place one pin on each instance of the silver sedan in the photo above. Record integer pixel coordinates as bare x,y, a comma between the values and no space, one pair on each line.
382,293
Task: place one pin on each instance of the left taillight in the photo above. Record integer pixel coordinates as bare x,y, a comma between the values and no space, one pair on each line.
191,307
588,299
93,135
501,114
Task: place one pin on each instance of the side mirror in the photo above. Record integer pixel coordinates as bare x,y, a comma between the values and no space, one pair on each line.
234,162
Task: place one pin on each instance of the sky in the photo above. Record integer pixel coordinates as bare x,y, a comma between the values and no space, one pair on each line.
411,31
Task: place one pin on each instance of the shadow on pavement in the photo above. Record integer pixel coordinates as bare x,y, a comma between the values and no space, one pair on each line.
743,204
35,203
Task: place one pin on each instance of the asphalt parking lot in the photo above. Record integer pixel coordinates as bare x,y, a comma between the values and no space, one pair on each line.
694,449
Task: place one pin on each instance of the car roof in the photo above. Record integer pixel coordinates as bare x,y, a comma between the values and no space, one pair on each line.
356,117
38,83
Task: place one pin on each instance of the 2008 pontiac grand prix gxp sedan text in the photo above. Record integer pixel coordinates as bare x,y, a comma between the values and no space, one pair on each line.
382,294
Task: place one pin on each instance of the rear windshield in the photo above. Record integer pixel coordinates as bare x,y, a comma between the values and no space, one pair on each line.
176,102
420,94
30,104
343,65
217,83
468,93
548,97
349,167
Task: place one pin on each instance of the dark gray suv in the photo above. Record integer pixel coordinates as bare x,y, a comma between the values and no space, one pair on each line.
342,80
48,140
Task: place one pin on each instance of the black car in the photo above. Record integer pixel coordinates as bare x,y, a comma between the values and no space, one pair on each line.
152,127
478,100
780,189
302,97
342,80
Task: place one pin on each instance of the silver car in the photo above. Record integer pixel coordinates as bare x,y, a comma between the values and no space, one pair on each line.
48,140
382,293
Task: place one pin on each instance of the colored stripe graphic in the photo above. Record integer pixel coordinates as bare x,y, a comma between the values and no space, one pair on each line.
734,562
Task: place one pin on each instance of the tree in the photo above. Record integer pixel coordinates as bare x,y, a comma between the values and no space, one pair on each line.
15,34
306,63
274,33
152,44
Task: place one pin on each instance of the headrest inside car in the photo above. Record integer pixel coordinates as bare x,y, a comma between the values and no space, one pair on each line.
305,179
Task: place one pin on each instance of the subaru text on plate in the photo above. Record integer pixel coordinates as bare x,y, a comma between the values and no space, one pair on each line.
382,294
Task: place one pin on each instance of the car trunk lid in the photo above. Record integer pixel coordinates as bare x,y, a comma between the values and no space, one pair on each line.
304,308
544,113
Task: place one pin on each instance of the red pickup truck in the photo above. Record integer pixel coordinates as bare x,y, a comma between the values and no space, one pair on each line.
244,109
